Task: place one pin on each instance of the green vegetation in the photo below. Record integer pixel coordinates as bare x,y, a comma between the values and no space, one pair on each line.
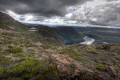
5,61
47,73
29,68
91,49
32,52
1,70
15,50
101,67
26,69
72,52
3,25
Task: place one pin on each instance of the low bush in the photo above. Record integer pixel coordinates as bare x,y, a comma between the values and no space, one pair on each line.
101,67
26,69
15,50
1,70
74,53
4,61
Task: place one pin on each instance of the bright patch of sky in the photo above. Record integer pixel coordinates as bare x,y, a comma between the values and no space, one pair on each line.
13,14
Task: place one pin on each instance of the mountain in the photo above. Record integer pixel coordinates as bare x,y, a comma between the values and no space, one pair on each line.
7,22
63,34
44,33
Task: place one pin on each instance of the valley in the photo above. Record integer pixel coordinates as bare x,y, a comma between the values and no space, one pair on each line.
55,53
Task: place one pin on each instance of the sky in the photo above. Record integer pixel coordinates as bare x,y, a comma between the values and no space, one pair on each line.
71,12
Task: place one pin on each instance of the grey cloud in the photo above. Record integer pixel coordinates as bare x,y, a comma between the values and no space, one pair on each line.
111,15
111,0
39,7
108,14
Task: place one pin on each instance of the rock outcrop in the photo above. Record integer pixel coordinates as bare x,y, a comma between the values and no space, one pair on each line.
70,69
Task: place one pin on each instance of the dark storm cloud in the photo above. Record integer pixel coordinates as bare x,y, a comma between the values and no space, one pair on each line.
39,7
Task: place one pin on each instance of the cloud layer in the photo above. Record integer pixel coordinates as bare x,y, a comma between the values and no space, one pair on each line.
104,12
95,12
39,7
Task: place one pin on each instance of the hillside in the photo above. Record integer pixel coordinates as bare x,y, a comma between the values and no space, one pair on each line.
7,22
63,35
41,55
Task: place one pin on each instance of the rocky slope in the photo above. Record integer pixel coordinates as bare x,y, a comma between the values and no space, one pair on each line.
32,56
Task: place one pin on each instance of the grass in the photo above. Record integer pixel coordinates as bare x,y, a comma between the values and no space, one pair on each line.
1,70
5,62
101,67
29,68
32,52
50,71
91,49
26,69
15,50
72,52
19,55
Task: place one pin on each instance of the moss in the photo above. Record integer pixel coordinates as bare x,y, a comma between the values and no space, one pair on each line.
15,50
101,67
72,52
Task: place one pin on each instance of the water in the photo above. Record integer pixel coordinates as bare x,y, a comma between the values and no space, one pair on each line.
89,35
88,40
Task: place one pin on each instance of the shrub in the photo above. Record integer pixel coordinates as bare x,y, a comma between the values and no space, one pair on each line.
26,69
74,53
19,55
101,67
13,78
4,61
106,47
15,50
49,72
1,70
32,52
92,50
